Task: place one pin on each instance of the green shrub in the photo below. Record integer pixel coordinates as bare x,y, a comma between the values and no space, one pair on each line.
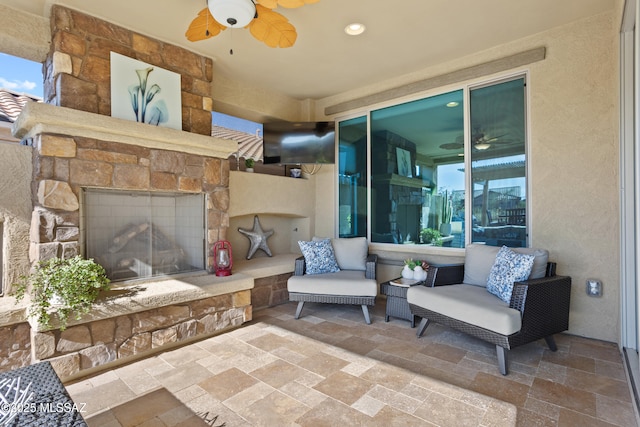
63,286
432,236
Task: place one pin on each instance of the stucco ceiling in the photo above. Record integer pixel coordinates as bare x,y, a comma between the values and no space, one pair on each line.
401,37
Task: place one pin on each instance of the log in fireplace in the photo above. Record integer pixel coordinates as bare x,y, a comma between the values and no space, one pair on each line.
137,234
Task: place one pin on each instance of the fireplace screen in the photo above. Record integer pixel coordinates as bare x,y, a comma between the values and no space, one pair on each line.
141,234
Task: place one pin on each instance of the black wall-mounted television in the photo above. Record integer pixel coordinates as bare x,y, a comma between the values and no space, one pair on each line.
290,143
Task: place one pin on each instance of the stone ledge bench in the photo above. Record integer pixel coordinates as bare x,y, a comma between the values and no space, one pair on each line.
134,321
128,323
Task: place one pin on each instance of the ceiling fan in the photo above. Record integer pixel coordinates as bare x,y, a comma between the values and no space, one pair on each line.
265,24
481,141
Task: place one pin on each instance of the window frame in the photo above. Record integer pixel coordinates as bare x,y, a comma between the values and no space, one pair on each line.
466,88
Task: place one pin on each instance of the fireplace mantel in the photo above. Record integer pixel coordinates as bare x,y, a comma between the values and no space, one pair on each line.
39,118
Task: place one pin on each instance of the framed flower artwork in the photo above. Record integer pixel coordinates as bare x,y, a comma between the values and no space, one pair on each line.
145,93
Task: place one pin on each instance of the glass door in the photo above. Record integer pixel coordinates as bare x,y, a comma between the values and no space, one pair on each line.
630,192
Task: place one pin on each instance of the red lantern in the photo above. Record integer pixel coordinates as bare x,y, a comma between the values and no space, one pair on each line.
222,258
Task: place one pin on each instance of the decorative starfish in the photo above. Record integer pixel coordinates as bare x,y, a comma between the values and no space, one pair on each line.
258,238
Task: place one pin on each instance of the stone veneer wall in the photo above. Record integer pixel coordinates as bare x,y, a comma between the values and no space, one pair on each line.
15,346
96,343
77,70
270,291
63,165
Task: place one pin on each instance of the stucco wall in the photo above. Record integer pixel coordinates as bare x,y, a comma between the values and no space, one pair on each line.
575,166
284,205
573,154
15,210
23,34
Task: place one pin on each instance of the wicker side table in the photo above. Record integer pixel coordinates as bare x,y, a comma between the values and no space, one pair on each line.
397,305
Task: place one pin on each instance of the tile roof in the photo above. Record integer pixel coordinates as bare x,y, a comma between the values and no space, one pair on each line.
12,103
250,145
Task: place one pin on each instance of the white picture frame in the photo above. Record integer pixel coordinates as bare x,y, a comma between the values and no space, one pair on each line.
145,93
403,159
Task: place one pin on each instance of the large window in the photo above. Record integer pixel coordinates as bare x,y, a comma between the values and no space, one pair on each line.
420,154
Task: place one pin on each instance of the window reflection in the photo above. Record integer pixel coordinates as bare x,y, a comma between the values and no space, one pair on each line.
417,187
498,164
352,178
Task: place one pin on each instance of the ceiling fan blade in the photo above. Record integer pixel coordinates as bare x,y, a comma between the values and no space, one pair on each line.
495,138
272,28
289,4
203,27
269,4
452,146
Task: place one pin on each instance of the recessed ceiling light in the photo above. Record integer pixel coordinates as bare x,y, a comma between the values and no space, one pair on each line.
354,29
452,104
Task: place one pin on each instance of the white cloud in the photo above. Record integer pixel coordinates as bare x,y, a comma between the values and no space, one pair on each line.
17,85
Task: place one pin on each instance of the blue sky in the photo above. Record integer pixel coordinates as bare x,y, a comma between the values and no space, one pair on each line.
20,75
236,123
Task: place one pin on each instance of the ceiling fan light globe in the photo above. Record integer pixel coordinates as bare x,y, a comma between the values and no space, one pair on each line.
482,146
232,13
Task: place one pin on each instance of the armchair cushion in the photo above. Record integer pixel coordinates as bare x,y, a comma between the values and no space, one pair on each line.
470,304
351,253
508,267
479,260
319,256
343,282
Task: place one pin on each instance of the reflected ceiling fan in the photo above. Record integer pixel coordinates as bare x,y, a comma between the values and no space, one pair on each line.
265,24
481,141
458,144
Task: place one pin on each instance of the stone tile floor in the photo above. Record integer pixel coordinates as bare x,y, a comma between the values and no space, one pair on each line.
330,368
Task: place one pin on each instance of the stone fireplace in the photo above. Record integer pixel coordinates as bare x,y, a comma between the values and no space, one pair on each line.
80,149
81,160
76,160
79,154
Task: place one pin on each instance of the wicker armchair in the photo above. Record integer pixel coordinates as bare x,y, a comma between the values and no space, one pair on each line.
344,287
543,305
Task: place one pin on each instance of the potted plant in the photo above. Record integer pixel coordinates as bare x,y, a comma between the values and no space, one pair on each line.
431,236
63,287
249,163
415,269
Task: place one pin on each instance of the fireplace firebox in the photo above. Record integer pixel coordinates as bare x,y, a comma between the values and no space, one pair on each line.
138,234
